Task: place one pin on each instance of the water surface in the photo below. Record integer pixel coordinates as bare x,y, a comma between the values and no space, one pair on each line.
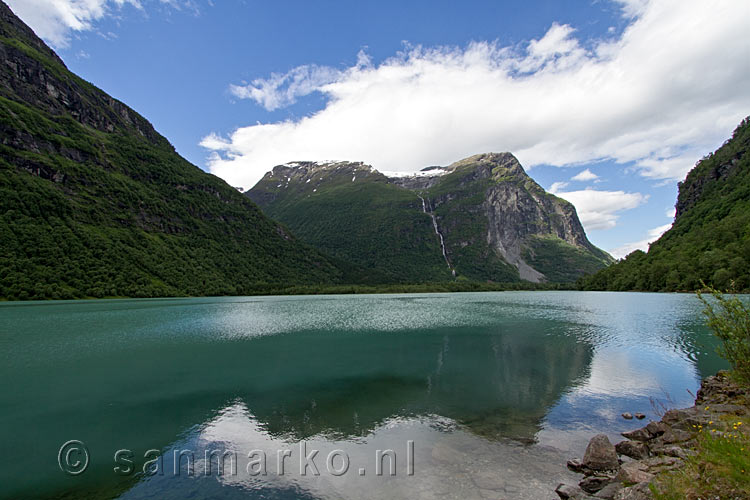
494,391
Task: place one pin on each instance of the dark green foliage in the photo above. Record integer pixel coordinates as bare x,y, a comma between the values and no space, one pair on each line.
370,223
560,262
111,210
710,238
440,287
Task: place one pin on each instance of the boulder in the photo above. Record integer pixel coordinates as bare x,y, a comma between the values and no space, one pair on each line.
676,451
632,449
592,484
609,491
576,465
639,491
656,428
675,436
637,435
600,454
568,492
634,472
665,462
687,419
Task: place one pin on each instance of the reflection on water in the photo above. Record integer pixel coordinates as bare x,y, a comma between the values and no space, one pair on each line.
455,463
471,379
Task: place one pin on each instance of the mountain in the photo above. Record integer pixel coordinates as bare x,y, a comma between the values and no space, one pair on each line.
709,240
482,218
94,202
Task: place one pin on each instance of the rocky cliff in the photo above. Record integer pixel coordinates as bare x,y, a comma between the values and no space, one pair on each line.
482,218
524,223
711,171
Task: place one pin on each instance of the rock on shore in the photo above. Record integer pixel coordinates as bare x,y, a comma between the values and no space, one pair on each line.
654,449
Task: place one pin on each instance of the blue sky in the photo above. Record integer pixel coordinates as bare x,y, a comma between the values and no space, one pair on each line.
606,103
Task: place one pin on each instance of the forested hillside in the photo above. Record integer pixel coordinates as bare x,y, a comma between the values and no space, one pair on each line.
710,238
94,202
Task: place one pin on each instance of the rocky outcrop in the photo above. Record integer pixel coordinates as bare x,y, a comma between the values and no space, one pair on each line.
691,190
518,208
515,207
656,448
30,73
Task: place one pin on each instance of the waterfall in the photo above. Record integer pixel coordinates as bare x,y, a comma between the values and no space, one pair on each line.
437,231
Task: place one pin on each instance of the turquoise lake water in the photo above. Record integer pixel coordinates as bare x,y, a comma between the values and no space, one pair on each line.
476,395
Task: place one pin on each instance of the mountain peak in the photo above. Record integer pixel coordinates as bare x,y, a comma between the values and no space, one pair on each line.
481,217
11,27
32,73
495,158
499,165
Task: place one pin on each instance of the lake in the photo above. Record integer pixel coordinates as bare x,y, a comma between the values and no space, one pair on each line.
471,395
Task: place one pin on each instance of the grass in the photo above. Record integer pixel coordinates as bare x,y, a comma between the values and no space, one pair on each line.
720,468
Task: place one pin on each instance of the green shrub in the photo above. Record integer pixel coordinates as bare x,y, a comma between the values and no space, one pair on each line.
729,319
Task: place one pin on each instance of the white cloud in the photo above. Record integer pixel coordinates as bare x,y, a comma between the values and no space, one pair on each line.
633,8
54,20
671,212
652,235
600,209
668,90
586,175
557,186
283,90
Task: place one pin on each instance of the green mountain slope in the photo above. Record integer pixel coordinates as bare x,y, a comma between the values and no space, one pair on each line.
352,212
94,202
481,219
710,237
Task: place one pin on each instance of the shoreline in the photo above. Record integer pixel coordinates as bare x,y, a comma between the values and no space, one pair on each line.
361,290
630,469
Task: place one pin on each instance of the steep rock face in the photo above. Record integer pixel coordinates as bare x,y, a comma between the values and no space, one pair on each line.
490,220
692,189
31,72
522,218
94,202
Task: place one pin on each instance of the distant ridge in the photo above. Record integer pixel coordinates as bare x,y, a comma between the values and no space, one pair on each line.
482,218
